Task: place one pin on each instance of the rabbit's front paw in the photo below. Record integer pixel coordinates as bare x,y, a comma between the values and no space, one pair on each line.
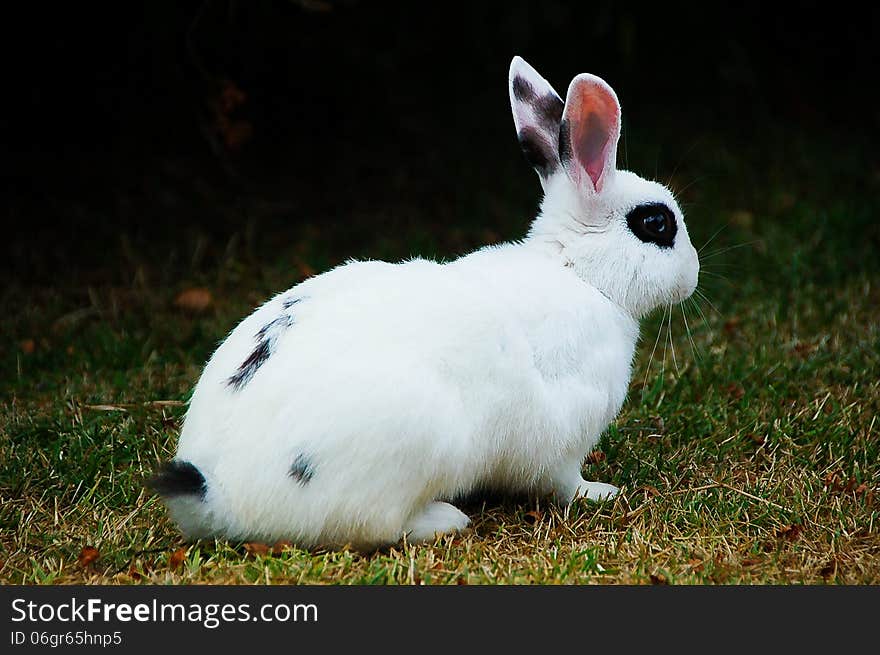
596,490
435,519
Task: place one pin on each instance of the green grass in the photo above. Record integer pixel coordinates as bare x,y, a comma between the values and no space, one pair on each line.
750,455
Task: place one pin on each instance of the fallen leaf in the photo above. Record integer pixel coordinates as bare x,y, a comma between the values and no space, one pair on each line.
658,578
789,532
195,300
257,548
177,558
461,581
595,457
832,481
28,346
534,516
280,546
758,439
750,561
88,555
731,325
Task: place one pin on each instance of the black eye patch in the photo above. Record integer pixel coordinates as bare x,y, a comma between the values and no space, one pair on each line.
653,223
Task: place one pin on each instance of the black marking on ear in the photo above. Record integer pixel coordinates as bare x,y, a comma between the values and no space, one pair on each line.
302,470
537,151
523,89
178,478
564,142
249,366
287,303
548,110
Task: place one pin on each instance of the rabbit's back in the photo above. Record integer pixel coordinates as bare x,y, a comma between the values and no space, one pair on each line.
417,379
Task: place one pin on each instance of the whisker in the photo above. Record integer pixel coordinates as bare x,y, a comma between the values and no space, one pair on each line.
702,314
721,264
689,335
651,360
687,186
665,348
693,145
711,238
672,342
706,298
716,275
721,251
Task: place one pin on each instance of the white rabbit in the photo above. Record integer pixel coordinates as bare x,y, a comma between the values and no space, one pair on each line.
352,407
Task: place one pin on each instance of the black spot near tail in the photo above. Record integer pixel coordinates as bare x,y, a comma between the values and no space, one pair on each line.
302,470
249,366
178,478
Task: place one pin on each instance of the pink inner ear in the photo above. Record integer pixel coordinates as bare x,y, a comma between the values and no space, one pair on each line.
594,117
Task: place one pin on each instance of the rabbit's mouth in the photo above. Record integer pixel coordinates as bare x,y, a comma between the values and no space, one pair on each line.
690,278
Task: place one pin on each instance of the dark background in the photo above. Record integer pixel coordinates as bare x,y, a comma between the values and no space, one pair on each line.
140,130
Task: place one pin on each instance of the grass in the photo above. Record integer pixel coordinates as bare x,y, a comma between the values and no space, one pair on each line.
751,455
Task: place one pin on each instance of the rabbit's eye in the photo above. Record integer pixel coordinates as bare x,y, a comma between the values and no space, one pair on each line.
653,223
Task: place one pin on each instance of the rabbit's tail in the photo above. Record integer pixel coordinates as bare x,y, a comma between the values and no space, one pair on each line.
177,478
183,487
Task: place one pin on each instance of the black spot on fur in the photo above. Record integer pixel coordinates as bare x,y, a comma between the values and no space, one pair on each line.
548,110
177,478
302,470
250,365
266,337
277,324
522,89
538,152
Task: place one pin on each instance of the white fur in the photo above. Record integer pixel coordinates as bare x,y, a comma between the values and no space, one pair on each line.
404,385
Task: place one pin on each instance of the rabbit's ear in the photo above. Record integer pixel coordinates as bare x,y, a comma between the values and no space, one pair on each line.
537,112
589,132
